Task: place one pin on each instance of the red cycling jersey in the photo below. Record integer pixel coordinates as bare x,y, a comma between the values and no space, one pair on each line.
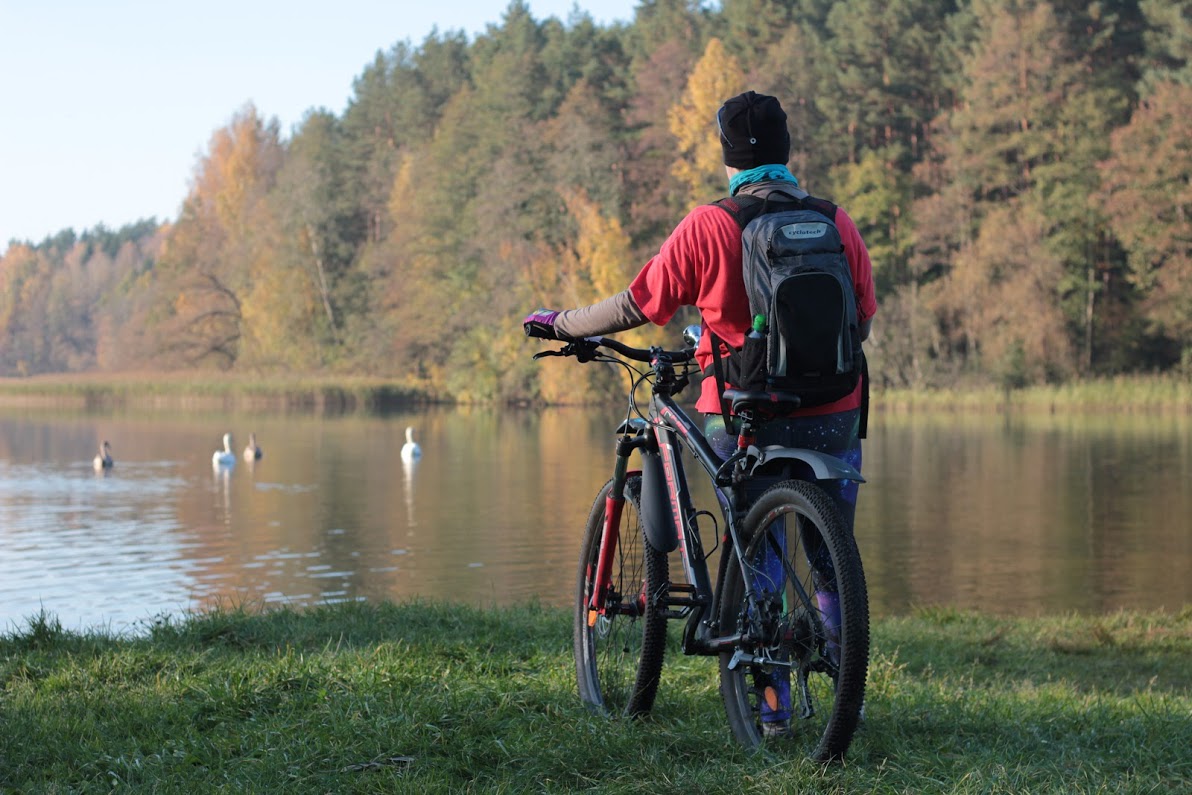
700,265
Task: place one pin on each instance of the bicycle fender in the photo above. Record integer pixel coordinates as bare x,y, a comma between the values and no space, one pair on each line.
823,466
657,516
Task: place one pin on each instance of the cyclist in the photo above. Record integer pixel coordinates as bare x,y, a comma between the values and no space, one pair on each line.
699,265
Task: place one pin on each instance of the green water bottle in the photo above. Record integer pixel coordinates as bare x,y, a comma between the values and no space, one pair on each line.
759,328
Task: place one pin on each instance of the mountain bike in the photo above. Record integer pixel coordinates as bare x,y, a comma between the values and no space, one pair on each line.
781,552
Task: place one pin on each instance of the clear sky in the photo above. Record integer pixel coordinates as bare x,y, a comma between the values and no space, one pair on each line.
105,107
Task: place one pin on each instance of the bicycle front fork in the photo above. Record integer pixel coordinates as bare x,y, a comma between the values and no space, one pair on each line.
614,505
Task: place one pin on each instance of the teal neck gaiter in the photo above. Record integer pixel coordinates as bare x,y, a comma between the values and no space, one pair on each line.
770,171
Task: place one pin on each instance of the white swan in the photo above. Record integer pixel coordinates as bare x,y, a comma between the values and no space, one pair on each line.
224,457
104,459
252,452
410,450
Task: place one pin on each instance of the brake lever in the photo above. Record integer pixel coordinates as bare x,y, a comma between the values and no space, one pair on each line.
540,354
584,350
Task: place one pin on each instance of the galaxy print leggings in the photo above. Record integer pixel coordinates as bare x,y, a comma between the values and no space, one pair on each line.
834,434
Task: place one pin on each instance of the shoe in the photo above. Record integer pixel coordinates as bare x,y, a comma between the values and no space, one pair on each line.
776,729
775,705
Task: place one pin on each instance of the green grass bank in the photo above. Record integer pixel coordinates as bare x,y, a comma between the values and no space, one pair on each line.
427,697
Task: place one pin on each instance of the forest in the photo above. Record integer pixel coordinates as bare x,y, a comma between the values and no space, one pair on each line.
1021,171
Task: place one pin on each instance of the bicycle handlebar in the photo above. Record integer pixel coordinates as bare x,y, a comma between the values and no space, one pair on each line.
578,347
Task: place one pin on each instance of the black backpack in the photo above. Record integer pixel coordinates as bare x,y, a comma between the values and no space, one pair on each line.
798,278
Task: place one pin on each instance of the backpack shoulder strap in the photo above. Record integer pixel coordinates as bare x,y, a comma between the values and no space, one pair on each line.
821,206
718,371
743,209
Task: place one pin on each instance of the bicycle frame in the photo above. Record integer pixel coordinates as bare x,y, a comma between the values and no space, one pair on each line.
671,429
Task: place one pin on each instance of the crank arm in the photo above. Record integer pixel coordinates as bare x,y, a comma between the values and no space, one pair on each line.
741,657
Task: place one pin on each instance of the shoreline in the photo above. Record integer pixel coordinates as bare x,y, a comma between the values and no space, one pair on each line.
318,394
206,391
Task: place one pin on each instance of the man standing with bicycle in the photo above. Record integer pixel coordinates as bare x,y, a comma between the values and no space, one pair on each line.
701,264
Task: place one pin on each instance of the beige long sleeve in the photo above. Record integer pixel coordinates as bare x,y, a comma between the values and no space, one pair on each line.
611,315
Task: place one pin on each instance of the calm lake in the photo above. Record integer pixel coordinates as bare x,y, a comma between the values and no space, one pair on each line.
1017,515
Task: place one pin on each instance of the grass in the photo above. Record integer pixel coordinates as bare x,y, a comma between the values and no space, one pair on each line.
430,697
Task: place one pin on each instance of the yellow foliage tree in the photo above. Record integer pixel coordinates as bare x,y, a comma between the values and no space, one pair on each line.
243,159
276,313
603,247
407,289
700,167
596,264
223,242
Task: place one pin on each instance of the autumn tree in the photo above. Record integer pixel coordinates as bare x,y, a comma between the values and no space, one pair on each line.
23,285
1149,203
593,264
65,303
654,196
124,324
700,164
1029,129
220,240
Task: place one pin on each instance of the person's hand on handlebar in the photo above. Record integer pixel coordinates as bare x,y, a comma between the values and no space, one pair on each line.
541,323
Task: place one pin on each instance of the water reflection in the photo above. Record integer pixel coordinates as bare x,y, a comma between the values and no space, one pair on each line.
1028,516
1011,517
409,471
222,477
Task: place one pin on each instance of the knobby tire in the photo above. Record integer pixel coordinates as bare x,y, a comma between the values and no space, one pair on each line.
790,626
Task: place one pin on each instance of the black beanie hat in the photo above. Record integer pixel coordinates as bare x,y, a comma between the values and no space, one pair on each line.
753,131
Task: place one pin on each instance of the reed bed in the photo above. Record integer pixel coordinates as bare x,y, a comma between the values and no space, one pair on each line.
1120,394
194,391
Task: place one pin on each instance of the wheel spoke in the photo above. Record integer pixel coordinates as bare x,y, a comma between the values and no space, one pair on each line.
619,651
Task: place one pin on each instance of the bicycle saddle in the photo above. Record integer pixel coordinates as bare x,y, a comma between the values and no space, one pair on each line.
770,401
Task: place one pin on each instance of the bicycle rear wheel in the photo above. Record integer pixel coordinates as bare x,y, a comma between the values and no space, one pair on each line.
799,558
619,645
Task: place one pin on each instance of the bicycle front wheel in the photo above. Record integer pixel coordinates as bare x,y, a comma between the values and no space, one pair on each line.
798,673
620,636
